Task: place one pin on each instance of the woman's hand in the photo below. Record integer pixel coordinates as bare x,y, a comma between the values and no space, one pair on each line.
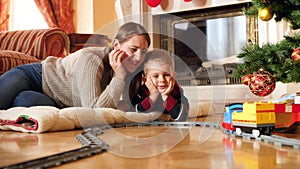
170,88
154,93
116,56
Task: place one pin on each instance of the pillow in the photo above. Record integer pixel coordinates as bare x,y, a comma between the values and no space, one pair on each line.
10,59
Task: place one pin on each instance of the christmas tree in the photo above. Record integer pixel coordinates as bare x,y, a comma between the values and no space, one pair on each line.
282,10
282,59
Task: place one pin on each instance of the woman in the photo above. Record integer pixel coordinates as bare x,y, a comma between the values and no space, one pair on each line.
91,77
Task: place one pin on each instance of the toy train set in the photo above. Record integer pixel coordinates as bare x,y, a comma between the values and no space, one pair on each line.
239,118
260,118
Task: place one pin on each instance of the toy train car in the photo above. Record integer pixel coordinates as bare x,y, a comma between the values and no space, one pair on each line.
227,118
287,117
260,118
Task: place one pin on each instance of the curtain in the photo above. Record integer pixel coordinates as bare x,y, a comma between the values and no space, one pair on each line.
4,15
57,13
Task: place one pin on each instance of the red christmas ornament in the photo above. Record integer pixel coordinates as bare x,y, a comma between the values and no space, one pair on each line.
153,3
262,83
296,54
246,79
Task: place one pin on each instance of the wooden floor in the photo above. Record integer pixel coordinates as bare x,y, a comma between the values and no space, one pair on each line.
155,148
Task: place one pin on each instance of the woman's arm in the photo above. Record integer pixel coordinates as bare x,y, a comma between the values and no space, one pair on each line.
90,77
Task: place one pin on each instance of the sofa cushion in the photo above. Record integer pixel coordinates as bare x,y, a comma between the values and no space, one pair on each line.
10,59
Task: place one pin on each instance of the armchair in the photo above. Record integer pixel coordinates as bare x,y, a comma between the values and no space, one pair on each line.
27,46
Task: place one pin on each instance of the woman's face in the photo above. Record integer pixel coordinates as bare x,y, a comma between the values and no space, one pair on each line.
135,48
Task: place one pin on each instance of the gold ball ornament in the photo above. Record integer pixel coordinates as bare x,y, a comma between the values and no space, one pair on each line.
265,14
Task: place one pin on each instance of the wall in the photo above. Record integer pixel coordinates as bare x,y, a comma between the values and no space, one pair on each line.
83,17
104,13
171,6
91,15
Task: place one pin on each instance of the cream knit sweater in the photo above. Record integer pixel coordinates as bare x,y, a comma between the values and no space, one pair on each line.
81,79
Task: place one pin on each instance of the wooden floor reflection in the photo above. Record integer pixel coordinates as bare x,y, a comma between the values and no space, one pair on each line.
155,147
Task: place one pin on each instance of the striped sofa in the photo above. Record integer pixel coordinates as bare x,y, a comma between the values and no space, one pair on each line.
27,46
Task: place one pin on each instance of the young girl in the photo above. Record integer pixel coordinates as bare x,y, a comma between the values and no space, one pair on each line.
160,91
91,77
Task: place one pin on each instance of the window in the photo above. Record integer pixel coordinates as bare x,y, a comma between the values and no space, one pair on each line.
24,14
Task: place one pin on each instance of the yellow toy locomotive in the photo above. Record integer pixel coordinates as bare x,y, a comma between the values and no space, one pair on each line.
260,117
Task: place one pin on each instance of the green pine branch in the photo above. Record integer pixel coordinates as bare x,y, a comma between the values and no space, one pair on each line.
283,10
274,58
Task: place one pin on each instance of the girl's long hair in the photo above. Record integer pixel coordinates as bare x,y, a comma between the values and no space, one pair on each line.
125,32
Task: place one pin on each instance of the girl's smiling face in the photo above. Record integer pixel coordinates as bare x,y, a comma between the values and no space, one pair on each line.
135,48
161,74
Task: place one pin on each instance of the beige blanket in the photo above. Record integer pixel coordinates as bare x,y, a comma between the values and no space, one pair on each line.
40,119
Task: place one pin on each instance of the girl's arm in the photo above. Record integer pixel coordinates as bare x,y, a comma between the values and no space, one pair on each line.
94,87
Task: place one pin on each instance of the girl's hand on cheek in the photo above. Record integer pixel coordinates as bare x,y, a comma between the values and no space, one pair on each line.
116,57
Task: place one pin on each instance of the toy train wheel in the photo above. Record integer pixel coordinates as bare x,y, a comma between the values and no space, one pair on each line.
256,133
238,131
228,131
